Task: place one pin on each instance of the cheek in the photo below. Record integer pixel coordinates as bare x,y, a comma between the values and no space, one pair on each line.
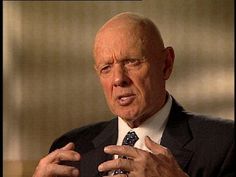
142,82
148,83
145,88
106,88
146,78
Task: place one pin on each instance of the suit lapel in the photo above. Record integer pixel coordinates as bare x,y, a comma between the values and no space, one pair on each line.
177,135
96,155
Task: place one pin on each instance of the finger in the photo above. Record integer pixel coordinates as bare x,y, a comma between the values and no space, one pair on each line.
62,170
69,146
65,155
123,150
156,148
59,155
120,163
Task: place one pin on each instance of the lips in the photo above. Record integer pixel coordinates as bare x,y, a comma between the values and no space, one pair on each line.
125,99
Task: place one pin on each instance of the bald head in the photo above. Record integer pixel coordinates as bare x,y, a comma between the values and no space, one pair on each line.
127,25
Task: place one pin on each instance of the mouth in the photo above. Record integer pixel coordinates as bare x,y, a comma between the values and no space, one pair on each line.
126,99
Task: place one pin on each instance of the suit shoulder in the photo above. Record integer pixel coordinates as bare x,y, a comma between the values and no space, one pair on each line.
210,122
212,143
79,134
208,127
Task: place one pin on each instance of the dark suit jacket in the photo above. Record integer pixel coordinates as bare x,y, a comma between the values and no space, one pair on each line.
203,146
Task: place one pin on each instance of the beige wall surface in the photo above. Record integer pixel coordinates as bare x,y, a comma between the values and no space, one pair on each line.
48,79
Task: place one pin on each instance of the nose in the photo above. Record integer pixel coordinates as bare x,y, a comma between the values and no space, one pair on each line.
120,76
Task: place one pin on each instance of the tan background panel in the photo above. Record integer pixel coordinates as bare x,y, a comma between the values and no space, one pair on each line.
49,83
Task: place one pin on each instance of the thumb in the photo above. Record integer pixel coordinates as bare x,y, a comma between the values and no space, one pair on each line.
150,144
154,147
69,146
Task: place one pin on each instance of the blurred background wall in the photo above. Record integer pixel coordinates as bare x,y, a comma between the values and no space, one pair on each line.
48,79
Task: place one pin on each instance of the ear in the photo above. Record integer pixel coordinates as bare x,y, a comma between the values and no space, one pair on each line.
169,62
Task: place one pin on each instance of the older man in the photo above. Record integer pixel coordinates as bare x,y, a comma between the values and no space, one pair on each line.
152,135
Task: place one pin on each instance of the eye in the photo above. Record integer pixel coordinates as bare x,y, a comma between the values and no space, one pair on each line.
132,62
105,69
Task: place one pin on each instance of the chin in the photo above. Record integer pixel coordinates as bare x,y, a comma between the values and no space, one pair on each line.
128,115
131,112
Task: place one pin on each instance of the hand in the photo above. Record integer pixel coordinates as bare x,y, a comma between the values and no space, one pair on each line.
49,166
157,163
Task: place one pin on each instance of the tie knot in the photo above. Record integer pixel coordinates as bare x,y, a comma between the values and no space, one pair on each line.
130,138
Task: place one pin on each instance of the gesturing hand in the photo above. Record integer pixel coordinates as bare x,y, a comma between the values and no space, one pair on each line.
49,166
157,163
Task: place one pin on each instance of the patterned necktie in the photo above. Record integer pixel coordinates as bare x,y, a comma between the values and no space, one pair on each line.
130,139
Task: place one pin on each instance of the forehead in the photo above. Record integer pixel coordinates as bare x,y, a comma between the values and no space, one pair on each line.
119,41
127,33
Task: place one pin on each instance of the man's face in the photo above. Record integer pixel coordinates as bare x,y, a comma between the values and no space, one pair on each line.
132,76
